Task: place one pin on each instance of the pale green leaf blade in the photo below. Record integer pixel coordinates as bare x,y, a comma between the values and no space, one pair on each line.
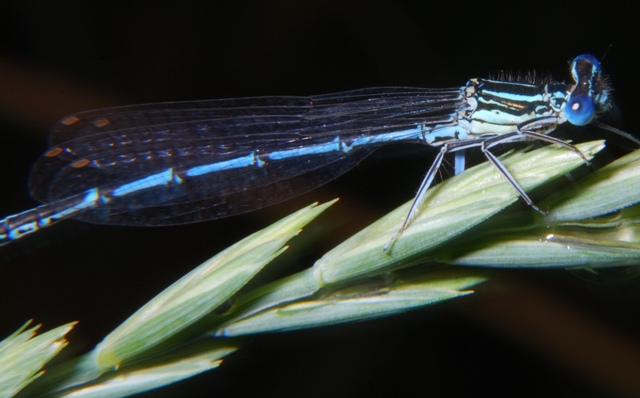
155,373
370,299
23,354
534,249
609,189
200,291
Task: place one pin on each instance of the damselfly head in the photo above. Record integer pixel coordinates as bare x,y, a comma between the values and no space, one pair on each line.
590,96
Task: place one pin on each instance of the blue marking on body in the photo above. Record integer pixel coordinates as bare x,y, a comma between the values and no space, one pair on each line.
154,180
91,199
413,133
441,132
459,161
310,150
245,161
23,230
514,97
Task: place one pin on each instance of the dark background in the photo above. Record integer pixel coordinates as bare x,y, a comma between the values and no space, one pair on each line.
526,333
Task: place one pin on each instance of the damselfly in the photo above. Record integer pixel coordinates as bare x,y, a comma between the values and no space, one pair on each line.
183,162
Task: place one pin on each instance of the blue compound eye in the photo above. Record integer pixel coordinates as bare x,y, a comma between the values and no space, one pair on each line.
580,110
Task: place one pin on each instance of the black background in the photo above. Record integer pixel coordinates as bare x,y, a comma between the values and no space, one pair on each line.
526,333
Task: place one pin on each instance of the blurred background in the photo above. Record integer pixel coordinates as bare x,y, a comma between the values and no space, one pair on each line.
525,333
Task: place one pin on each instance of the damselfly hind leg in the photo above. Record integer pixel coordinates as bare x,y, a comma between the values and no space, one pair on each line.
458,147
426,182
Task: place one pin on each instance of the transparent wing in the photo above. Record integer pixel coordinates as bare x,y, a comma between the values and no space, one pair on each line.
112,147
